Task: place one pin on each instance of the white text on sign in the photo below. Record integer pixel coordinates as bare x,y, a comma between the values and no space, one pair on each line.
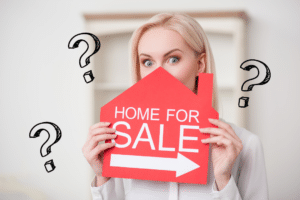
180,115
150,140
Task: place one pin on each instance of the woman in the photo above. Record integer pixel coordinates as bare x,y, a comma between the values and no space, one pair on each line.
236,169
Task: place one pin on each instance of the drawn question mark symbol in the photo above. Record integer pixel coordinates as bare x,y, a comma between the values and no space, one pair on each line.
262,68
54,133
74,43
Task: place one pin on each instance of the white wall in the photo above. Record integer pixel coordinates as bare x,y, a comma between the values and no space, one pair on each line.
40,80
274,38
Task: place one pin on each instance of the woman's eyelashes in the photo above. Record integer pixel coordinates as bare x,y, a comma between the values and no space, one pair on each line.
169,60
147,63
173,59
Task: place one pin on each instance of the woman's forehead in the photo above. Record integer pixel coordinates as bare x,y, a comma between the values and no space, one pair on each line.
160,40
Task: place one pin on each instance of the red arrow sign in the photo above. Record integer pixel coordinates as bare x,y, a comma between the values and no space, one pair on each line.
157,122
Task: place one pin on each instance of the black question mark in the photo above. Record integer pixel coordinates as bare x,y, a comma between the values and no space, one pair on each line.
76,39
54,133
243,101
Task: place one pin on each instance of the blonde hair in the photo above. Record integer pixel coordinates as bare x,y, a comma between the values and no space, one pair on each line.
192,33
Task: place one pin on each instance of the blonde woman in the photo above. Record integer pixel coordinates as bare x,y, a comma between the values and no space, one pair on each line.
177,43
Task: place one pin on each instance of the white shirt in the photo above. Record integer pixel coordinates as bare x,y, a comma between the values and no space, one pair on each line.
248,180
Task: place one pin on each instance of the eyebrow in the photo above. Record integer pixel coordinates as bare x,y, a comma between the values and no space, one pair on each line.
166,54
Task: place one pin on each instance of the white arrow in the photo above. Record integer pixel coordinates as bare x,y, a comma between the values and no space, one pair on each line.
180,164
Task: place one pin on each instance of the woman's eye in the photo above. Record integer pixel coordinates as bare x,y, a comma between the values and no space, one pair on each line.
173,60
148,63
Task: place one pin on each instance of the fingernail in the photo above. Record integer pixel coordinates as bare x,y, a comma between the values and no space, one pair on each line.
203,140
115,135
203,130
209,119
107,123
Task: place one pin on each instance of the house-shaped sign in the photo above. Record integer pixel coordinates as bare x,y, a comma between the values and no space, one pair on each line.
157,122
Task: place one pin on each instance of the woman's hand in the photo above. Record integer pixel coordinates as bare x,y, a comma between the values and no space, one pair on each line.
226,146
93,152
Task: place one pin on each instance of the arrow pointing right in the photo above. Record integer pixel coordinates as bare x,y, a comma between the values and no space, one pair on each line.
181,164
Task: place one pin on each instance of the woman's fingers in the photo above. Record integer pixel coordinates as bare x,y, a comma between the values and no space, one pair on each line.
97,129
93,141
97,133
100,131
100,148
99,138
221,124
219,132
215,131
222,133
219,140
99,125
93,150
224,126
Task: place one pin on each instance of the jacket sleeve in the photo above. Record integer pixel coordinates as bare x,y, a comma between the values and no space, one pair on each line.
229,192
252,179
112,189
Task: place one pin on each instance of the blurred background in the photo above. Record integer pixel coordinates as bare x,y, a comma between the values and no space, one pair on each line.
40,80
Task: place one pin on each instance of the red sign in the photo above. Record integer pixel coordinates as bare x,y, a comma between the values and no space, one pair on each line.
157,122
